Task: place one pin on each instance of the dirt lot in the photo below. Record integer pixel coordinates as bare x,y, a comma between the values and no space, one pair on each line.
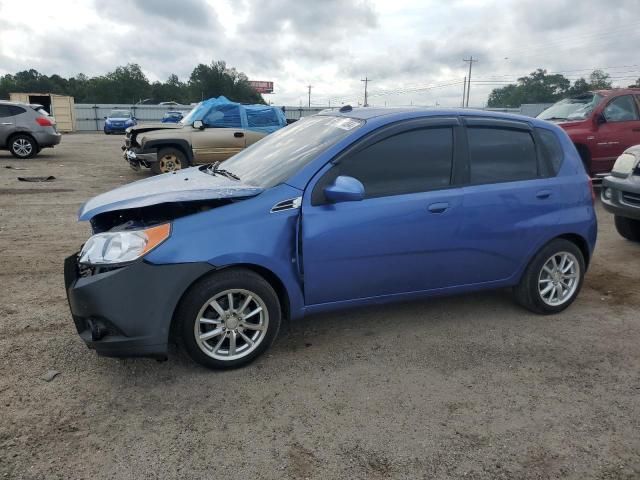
466,387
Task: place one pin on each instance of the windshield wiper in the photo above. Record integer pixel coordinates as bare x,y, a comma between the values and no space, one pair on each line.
556,118
212,169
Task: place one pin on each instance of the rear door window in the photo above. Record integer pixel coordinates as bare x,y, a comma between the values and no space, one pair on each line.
262,118
5,111
501,155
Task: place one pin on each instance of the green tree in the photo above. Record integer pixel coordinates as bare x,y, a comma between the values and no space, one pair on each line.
537,87
128,84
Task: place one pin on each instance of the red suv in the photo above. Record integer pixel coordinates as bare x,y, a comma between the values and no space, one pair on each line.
602,124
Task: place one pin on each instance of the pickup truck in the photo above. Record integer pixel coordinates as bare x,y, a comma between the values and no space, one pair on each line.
602,124
213,131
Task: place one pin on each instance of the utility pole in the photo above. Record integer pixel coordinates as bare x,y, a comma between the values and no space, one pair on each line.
366,98
471,62
309,87
464,90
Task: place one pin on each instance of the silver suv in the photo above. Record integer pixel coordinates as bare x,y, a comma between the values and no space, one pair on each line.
25,129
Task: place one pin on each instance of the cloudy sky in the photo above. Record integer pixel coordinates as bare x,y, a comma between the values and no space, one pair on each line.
411,49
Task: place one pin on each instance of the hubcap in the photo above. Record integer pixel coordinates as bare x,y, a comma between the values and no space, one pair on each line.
22,147
231,324
169,163
558,279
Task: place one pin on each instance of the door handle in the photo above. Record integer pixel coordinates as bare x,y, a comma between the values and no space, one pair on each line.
238,134
543,194
438,207
635,129
6,123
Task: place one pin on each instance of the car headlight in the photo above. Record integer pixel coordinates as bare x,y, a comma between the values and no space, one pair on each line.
110,248
625,164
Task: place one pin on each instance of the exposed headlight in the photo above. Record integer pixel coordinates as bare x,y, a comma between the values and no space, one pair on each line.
625,164
120,247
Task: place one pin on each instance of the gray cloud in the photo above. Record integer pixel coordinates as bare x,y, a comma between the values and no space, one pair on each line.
333,43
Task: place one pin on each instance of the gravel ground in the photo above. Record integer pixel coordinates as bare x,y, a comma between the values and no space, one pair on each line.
464,387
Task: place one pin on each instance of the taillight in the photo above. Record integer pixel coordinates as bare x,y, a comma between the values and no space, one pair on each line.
44,122
593,192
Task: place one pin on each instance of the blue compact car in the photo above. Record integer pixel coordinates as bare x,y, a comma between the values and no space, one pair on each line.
342,209
172,117
118,121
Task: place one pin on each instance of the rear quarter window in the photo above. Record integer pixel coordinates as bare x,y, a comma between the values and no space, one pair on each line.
16,110
5,111
550,150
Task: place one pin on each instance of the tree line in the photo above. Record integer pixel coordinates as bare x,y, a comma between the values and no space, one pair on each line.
129,84
541,87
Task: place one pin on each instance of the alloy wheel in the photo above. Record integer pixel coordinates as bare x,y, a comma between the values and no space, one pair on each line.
22,147
231,325
558,279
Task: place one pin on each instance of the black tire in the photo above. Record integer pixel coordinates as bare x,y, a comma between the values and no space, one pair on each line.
169,160
19,144
527,293
629,228
196,304
107,133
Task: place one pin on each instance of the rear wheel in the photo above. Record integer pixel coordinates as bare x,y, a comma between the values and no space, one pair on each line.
228,319
628,228
552,279
169,160
23,146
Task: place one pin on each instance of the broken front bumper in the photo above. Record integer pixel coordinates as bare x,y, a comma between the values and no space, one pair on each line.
127,311
136,159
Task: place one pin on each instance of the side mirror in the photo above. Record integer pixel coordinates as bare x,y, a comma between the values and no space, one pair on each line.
105,118
344,189
600,119
198,124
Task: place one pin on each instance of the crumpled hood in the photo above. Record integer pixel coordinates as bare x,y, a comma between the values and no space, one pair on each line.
147,127
185,185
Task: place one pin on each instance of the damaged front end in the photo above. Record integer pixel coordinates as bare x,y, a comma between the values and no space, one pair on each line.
122,305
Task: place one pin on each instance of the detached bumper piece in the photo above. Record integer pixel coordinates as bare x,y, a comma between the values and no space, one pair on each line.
136,160
127,311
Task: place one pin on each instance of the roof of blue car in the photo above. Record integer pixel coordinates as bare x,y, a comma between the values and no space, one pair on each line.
366,113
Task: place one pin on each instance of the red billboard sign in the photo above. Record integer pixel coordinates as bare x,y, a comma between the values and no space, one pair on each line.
261,86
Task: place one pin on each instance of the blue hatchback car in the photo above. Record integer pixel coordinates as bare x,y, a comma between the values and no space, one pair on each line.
342,209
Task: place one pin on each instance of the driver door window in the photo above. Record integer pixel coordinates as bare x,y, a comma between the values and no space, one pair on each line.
621,109
409,162
226,116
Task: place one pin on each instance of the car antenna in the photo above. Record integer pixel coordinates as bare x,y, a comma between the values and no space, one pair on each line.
346,108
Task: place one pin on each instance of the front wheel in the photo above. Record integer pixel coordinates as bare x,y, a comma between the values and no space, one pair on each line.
169,160
629,228
229,318
552,279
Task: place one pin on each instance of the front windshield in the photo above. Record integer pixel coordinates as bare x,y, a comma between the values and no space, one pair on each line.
278,156
575,108
119,114
189,117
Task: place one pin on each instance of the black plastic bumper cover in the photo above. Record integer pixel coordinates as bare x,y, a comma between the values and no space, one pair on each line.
134,304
